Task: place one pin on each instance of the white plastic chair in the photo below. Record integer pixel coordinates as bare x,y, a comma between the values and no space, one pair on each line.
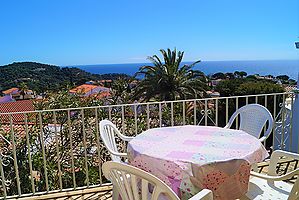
272,186
108,131
136,184
253,117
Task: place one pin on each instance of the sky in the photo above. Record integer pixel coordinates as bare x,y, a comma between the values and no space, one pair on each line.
79,32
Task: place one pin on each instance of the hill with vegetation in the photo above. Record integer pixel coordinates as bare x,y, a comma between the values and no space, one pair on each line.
43,77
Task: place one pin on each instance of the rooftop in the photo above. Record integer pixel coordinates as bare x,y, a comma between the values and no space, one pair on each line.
85,88
12,107
10,91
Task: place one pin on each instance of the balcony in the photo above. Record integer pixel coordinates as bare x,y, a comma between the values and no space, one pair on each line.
57,154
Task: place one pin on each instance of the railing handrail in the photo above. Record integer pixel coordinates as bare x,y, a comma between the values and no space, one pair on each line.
144,103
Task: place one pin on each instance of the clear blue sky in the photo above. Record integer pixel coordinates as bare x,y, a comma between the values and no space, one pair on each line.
67,32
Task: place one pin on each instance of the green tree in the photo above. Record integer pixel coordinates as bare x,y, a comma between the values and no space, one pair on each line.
260,87
242,74
121,91
283,77
23,89
168,80
230,75
219,75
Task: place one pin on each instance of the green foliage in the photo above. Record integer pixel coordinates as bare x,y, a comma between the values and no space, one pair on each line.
228,87
43,77
261,87
248,86
219,75
283,77
121,91
168,80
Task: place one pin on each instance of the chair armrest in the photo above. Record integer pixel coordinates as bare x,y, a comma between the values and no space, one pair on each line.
275,178
204,194
280,153
126,138
227,126
119,154
262,139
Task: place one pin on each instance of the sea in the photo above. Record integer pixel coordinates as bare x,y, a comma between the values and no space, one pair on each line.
261,67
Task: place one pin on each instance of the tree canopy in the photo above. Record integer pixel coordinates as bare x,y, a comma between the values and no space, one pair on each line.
168,79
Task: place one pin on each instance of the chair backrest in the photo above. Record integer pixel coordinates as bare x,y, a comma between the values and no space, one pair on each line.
253,117
272,169
108,131
135,184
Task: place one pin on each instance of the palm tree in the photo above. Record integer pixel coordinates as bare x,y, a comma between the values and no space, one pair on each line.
23,89
169,80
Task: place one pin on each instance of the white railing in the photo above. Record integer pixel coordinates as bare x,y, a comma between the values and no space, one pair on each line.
57,150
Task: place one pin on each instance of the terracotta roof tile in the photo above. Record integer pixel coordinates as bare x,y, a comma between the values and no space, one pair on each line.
11,90
17,106
83,88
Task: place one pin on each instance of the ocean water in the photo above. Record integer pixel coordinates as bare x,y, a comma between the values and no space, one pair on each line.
264,67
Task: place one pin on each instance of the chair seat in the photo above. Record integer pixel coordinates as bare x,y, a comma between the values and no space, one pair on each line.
266,190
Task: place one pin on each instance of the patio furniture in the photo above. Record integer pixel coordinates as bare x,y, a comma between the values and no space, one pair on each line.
190,158
136,184
253,117
271,185
108,131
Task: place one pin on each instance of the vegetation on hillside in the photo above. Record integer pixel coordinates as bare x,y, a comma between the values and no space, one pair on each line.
43,77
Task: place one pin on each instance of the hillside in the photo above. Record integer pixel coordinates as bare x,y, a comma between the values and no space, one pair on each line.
42,77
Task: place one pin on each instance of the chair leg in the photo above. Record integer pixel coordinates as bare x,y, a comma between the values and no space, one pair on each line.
115,193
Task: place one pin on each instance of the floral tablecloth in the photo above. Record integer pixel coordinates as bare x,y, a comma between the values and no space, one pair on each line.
190,158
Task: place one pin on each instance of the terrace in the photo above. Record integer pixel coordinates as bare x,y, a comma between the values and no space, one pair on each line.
58,154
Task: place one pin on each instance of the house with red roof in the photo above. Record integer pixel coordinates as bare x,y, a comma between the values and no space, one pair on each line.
15,107
16,94
87,90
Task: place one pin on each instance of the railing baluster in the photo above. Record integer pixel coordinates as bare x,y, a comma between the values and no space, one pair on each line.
226,110
184,113
123,119
283,123
216,120
98,144
266,105
206,112
291,121
171,110
256,99
246,100
194,108
237,118
109,112
85,146
15,155
135,118
71,147
274,117
148,116
29,153
160,114
2,178
43,150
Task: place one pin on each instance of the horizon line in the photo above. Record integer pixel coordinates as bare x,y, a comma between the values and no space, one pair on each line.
75,65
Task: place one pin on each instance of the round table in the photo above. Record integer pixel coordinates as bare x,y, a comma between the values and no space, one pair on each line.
190,158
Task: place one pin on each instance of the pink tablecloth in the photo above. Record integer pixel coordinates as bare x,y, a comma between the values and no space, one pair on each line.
190,158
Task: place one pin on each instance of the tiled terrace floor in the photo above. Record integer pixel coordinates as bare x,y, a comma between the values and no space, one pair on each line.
105,192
